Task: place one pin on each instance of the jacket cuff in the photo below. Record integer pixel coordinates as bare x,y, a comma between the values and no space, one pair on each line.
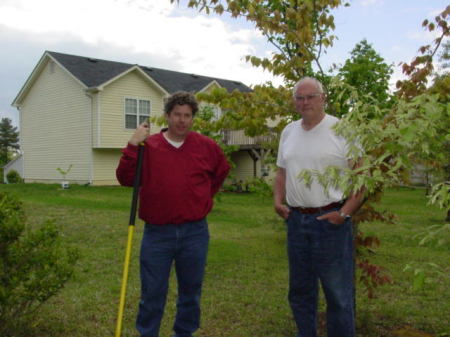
131,151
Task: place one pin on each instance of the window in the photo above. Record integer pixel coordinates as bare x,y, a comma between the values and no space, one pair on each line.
136,112
211,111
217,111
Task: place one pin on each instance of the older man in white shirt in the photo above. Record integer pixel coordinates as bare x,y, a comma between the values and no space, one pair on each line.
320,240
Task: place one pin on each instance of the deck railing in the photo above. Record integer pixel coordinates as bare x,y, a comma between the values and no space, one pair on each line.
238,137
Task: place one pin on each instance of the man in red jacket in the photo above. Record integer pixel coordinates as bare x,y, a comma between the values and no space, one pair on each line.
182,170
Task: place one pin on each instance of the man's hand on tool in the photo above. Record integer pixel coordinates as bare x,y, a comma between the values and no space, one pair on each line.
141,134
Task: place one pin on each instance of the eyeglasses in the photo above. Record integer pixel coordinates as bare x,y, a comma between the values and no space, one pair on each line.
302,98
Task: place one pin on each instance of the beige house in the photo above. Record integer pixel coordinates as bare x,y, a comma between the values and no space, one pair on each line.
78,112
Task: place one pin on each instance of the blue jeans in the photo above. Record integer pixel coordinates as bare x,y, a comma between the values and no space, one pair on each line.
187,245
320,250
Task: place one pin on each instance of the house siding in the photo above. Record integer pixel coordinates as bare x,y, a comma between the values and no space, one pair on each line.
105,164
244,166
55,128
111,119
210,88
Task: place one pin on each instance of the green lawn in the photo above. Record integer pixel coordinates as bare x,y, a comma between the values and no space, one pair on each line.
245,289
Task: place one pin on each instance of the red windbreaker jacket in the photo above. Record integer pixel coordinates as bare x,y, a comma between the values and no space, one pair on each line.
177,184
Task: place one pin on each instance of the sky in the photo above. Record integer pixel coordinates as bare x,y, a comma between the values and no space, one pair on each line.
158,34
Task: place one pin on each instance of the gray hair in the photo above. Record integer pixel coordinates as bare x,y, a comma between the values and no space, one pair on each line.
304,79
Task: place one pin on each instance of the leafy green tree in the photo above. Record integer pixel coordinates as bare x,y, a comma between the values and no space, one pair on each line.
394,136
368,73
34,265
300,31
420,72
441,81
9,140
441,87
445,56
421,68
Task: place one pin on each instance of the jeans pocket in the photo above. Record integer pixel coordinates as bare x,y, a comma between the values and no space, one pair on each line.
334,226
199,228
288,217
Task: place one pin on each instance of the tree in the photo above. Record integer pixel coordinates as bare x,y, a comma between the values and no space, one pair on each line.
419,72
367,72
441,81
300,32
421,67
394,137
9,140
441,87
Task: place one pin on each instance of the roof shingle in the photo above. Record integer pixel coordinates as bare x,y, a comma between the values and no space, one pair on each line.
94,72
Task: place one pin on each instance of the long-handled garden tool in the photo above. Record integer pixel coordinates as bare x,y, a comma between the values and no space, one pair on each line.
123,290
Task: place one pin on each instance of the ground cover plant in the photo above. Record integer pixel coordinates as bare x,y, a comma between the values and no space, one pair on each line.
245,289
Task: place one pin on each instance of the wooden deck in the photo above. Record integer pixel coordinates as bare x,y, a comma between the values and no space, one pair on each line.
238,137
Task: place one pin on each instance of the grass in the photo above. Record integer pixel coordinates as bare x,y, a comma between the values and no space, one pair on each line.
245,288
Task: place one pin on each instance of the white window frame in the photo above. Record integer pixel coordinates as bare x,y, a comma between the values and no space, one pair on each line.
139,113
215,108
217,111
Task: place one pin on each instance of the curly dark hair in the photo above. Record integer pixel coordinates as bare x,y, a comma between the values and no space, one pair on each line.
181,98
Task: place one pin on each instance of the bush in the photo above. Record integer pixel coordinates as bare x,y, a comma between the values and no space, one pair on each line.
235,186
252,185
1,175
34,265
259,186
13,177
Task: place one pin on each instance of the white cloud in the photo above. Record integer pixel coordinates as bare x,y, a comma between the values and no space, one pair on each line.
159,34
435,12
201,44
370,2
424,36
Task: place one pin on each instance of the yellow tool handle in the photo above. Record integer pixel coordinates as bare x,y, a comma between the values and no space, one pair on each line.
123,289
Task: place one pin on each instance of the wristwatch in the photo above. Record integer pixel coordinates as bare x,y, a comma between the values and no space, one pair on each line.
345,216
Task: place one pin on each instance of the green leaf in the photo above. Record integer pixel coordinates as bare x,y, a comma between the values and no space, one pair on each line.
419,281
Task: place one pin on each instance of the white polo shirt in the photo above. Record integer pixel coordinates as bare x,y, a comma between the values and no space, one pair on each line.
315,149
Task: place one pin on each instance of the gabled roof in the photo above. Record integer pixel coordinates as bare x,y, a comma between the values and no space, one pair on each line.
95,72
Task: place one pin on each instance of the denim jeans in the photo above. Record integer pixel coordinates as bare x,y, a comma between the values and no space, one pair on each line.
187,246
320,250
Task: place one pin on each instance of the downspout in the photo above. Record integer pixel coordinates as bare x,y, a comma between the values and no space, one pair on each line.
91,127
92,93
98,119
20,142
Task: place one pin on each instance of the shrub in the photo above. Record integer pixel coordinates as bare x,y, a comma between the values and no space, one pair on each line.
235,186
252,185
34,265
259,186
13,177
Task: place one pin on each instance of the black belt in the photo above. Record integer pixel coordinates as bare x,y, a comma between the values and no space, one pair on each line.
312,210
